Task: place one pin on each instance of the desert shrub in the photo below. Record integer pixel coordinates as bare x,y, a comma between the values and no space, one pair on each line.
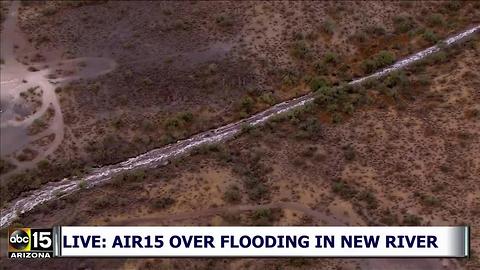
321,68
5,166
312,128
343,189
179,120
435,19
317,83
39,124
396,79
43,164
180,25
325,95
167,138
438,57
384,58
344,72
246,104
163,202
255,188
263,217
431,201
224,21
403,23
147,125
331,58
328,26
298,36
49,11
290,77
312,35
369,66
380,60
337,118
172,123
102,203
258,192
369,198
118,123
82,184
348,108
452,6
376,30
187,117
232,194
349,152
430,37
474,113
359,36
388,218
268,98
309,151
299,49
428,200
128,178
412,220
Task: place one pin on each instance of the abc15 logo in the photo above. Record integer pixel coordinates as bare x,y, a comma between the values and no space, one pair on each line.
27,239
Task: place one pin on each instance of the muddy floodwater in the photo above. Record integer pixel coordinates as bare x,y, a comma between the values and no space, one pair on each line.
27,92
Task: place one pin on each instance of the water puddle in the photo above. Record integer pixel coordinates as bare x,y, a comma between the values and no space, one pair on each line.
18,84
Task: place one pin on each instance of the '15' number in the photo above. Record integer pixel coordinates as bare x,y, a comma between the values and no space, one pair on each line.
42,240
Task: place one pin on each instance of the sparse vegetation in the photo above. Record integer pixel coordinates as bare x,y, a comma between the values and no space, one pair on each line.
5,166
256,189
380,60
430,37
264,216
232,194
435,20
344,190
364,156
412,220
300,50
328,26
317,82
43,165
403,23
163,202
349,152
224,21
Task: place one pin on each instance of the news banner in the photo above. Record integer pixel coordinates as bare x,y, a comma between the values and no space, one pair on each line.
289,241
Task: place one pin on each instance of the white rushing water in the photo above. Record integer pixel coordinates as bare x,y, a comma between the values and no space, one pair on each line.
161,156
